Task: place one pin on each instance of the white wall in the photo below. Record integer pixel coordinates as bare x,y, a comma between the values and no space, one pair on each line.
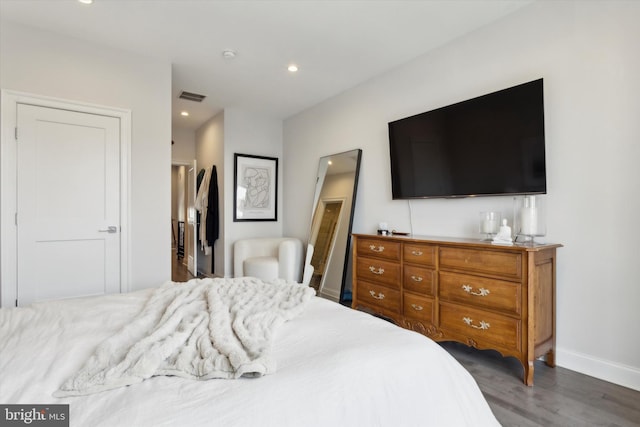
45,63
587,54
235,131
184,148
248,133
176,181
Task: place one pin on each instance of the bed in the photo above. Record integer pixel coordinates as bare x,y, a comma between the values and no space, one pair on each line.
335,367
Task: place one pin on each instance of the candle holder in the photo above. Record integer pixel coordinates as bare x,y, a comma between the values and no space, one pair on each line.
489,224
529,218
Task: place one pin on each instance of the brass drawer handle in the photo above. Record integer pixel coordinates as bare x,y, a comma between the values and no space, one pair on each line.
378,271
482,292
379,296
416,278
483,325
375,248
416,252
417,307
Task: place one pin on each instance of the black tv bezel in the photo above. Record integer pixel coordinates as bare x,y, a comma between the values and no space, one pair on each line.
467,195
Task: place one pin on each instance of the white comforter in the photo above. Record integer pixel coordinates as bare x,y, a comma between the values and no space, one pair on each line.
335,367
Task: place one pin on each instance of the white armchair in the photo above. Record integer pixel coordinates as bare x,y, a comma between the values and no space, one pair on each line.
268,258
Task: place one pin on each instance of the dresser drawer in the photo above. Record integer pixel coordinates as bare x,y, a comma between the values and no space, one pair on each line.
416,253
378,271
380,248
419,279
481,292
382,297
418,307
481,326
501,263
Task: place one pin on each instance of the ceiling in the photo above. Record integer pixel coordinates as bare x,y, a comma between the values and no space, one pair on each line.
337,44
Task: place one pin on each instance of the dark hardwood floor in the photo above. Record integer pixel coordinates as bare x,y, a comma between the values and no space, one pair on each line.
559,397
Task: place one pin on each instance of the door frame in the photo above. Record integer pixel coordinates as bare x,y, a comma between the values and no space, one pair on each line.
8,183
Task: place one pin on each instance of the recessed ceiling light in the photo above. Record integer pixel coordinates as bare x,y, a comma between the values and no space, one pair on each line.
292,68
228,54
86,1
330,162
184,113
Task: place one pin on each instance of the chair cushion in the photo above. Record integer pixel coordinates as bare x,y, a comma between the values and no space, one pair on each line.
262,267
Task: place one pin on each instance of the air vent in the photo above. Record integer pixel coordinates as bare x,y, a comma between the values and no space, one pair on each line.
190,96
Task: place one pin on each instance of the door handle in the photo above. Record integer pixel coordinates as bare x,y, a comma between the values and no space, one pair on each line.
110,229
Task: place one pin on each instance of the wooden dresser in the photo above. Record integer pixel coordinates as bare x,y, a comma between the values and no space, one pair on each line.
483,295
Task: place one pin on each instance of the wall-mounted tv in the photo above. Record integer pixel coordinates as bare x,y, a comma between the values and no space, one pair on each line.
490,145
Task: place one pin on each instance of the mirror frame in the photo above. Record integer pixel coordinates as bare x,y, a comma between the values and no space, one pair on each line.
347,256
357,153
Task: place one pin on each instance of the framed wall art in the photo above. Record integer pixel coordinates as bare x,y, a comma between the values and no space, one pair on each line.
255,188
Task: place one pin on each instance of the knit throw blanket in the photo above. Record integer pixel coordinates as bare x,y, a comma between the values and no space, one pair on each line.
203,329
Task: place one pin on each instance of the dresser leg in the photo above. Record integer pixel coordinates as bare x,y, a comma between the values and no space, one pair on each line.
528,373
550,358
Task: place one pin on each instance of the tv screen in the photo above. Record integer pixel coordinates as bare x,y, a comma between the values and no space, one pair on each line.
485,146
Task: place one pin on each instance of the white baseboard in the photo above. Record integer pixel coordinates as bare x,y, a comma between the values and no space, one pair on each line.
626,376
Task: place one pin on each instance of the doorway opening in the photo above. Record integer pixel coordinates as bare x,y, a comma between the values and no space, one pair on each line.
182,230
330,215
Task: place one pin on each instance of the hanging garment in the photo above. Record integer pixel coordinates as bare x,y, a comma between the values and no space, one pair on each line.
199,179
212,219
213,222
201,205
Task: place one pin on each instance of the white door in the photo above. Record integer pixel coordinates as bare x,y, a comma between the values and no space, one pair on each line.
68,204
192,229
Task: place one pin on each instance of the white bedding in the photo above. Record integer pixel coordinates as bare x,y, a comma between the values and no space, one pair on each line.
335,367
202,329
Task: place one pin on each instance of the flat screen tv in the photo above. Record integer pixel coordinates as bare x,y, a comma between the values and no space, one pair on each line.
490,145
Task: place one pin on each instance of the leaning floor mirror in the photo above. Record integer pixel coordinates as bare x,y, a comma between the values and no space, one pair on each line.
328,253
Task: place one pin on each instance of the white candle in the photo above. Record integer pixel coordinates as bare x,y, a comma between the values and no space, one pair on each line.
529,217
489,223
489,226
